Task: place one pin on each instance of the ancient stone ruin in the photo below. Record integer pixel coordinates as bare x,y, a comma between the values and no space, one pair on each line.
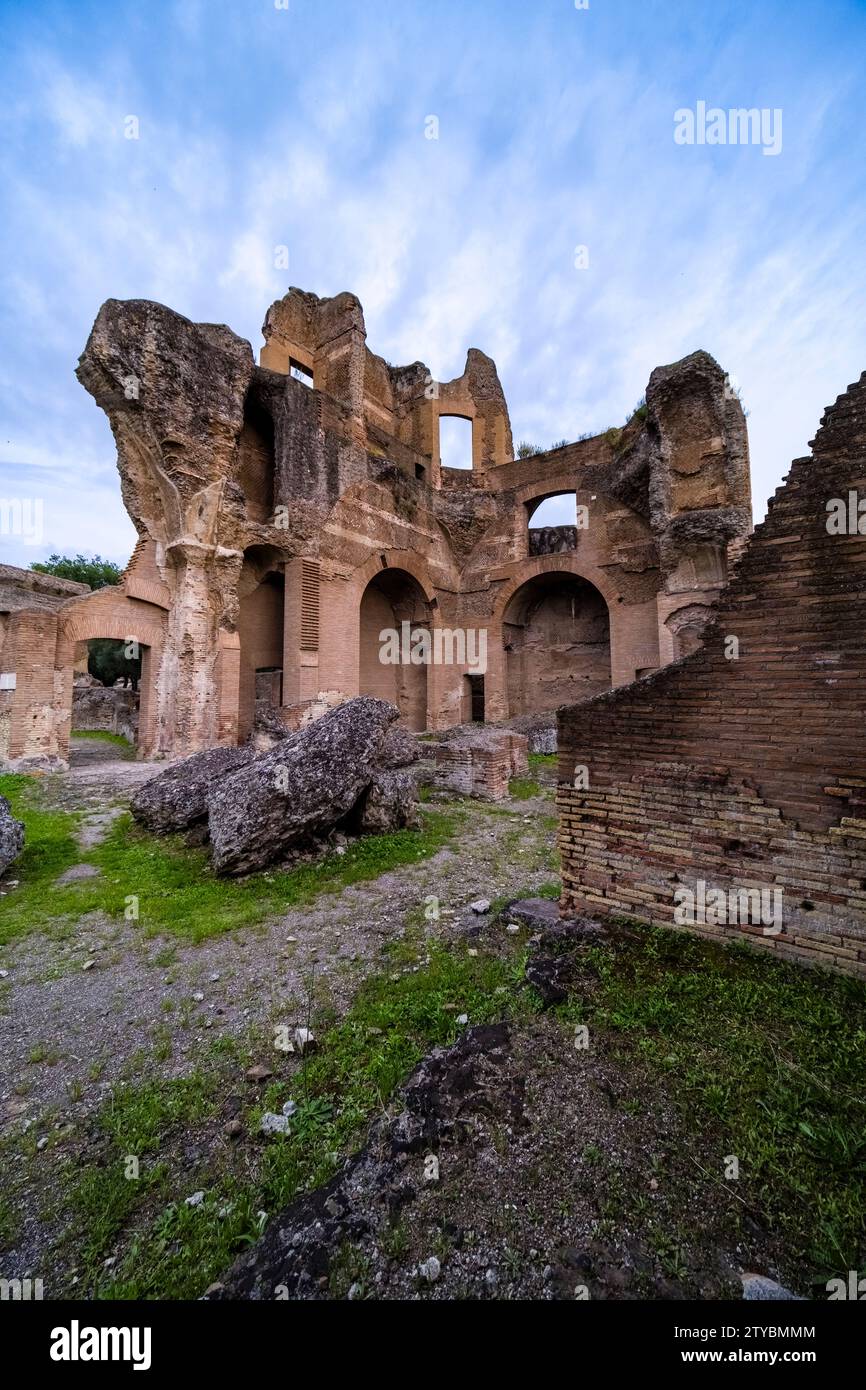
349,771
741,769
291,513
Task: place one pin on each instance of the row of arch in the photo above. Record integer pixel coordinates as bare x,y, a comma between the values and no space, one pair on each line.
551,633
555,634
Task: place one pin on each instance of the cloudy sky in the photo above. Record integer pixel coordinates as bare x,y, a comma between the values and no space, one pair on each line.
304,124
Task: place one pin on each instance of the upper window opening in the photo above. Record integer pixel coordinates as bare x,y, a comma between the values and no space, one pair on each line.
553,524
455,442
555,511
300,372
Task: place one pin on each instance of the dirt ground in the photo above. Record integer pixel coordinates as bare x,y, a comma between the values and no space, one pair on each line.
149,1006
559,1173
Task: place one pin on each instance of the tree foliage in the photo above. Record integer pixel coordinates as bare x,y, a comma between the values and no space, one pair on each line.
106,660
81,569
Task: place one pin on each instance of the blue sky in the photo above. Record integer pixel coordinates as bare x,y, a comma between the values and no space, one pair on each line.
305,127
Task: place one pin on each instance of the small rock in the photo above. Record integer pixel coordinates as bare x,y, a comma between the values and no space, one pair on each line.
214,977
234,1129
462,1018
4,974
88,965
473,951
480,906
491,1278
40,1143
195,1200
198,996
513,927
431,1168
259,1072
757,1288
356,1290
274,1124
430,1269
289,1108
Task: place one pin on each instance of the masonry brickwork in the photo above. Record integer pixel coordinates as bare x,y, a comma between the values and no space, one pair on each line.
481,763
743,765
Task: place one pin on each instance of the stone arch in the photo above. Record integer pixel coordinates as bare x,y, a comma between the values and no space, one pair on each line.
109,613
408,560
631,626
544,564
261,633
394,601
556,642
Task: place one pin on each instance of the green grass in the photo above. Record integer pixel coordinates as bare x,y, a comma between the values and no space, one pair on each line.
767,1057
171,1250
523,788
177,891
539,762
103,736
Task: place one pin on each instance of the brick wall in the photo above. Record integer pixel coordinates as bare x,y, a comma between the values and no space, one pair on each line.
480,763
744,765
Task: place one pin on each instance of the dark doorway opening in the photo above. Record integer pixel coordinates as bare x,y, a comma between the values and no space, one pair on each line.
476,699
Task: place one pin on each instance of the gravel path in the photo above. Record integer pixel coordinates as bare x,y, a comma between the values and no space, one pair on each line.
148,1004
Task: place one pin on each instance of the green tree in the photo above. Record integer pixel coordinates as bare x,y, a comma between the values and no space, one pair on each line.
82,569
106,660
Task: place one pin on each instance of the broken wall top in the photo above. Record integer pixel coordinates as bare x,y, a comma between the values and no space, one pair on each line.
776,696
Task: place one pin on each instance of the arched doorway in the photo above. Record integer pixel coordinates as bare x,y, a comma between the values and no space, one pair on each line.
261,619
556,636
134,628
393,612
111,682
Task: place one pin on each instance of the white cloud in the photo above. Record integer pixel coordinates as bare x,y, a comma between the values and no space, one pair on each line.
264,130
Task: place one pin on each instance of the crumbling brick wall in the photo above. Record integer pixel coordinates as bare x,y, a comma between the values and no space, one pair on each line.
480,762
743,765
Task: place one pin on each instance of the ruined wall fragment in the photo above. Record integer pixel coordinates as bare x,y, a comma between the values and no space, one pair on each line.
741,767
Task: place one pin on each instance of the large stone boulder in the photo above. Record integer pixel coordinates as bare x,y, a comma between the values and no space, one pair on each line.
401,748
390,802
178,797
298,789
11,835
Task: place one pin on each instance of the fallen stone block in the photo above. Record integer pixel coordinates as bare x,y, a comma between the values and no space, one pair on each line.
299,789
390,803
178,797
11,835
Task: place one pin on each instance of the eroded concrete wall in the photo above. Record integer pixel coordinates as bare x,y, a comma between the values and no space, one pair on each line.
323,463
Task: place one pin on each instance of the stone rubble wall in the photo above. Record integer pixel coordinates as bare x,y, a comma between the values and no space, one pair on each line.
110,710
